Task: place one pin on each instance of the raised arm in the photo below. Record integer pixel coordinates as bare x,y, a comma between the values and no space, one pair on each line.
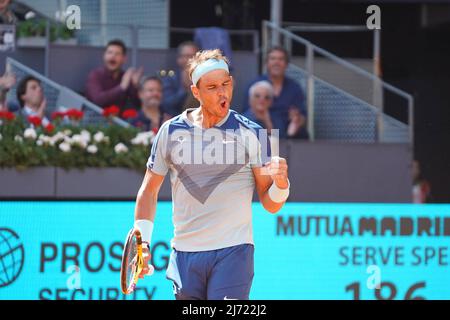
99,96
145,211
147,196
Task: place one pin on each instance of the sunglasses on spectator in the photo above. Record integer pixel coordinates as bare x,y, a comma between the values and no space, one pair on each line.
257,96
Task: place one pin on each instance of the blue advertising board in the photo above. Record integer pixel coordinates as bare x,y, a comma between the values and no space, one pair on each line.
72,250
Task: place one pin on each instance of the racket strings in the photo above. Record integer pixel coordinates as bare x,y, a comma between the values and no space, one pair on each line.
131,261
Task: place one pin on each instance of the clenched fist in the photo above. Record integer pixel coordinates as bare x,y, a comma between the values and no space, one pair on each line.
278,170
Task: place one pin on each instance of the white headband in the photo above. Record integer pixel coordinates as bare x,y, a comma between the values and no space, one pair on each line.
208,66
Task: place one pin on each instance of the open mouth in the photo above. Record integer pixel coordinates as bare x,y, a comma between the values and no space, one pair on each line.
223,104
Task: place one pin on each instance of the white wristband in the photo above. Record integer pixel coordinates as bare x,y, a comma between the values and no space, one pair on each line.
278,195
146,229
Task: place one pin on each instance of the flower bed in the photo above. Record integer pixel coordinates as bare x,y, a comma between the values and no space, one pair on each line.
26,144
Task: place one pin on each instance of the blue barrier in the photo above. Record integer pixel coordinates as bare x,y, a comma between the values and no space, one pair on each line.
71,250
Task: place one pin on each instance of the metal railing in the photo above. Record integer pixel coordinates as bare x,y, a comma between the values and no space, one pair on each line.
98,34
334,113
131,36
59,96
337,28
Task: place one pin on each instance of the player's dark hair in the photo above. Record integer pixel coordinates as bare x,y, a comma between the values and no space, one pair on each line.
202,56
22,88
119,43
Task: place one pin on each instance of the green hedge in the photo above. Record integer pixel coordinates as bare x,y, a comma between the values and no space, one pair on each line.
22,146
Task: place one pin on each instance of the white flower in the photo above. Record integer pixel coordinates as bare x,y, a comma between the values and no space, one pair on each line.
136,140
86,135
99,136
64,147
30,15
45,139
39,143
67,139
58,136
92,149
18,138
67,132
120,147
78,140
30,133
144,138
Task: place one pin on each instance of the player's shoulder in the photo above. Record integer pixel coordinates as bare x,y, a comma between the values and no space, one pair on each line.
244,121
174,123
249,128
165,129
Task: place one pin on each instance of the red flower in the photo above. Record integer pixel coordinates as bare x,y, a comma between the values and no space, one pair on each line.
49,128
35,120
7,115
155,130
111,111
129,114
58,115
74,114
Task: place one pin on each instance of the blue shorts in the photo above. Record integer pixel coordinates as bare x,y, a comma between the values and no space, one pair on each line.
212,275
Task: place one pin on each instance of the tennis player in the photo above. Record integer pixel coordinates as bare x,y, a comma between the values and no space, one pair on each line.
215,157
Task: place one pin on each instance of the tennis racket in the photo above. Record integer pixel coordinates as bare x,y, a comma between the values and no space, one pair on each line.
132,261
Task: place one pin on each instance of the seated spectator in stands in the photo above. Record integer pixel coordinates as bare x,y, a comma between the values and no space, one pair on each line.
31,99
110,85
260,101
7,81
288,111
421,187
177,94
6,14
150,117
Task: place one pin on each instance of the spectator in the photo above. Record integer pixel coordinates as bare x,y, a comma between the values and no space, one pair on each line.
260,101
177,94
6,14
288,111
150,117
110,85
31,99
7,81
421,187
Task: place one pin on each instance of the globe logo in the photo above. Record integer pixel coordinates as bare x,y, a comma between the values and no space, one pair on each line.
12,256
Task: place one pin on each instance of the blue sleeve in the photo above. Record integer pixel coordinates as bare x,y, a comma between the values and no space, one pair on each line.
157,159
264,150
